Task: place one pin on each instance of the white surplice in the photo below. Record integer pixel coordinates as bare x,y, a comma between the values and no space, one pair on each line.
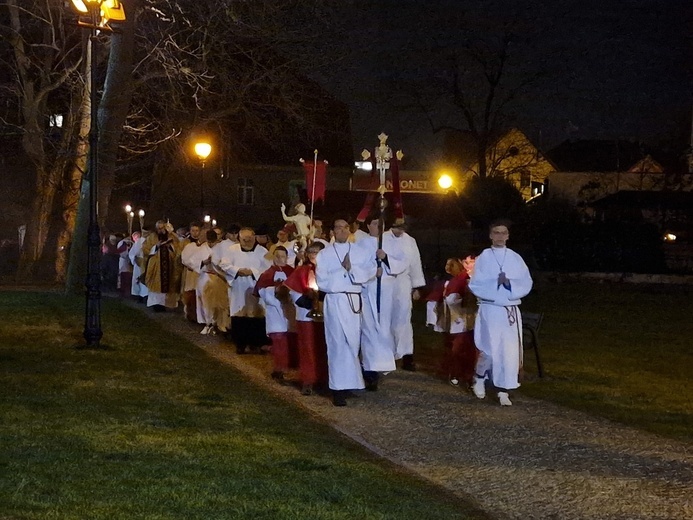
242,301
342,310
377,337
412,278
136,258
498,326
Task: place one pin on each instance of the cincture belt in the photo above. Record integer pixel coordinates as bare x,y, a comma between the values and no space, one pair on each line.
512,314
356,306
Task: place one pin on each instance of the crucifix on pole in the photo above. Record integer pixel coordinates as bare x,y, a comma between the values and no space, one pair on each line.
383,155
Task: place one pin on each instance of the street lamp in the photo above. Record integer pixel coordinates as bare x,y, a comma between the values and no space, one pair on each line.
202,150
445,181
97,15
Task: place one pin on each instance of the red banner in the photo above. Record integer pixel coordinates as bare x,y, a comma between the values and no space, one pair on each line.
315,192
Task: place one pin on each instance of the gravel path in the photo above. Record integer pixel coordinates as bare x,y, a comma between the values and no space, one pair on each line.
534,460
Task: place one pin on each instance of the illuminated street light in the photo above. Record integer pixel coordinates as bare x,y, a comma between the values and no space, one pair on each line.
445,181
97,15
202,150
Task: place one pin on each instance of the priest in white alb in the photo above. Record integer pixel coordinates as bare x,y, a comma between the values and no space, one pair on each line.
243,263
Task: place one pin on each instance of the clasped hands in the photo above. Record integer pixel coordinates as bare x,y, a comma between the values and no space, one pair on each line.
503,280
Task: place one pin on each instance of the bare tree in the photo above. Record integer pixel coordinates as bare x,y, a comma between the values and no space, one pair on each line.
45,57
476,70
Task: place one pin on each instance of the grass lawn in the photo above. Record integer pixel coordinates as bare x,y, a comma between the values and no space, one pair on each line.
623,352
153,428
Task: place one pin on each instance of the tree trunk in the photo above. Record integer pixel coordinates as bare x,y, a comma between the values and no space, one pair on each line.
115,103
38,223
72,182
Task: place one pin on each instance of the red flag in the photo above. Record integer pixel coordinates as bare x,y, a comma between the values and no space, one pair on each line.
320,179
396,194
367,205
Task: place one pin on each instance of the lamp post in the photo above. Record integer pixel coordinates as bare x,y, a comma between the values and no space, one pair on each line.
94,15
202,150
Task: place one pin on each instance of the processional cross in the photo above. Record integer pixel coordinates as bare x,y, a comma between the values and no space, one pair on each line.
383,156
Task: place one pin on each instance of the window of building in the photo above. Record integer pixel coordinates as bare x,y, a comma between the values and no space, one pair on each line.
55,121
246,191
525,178
537,188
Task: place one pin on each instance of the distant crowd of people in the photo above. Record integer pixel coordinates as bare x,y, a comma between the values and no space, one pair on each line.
335,306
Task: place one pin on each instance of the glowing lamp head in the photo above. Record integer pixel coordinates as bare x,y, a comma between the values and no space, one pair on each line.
141,213
128,208
207,219
83,5
670,237
110,10
202,150
445,181
131,214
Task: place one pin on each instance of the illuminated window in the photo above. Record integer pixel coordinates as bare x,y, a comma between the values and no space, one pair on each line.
246,192
55,121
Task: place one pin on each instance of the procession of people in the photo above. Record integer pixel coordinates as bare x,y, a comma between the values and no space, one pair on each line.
334,310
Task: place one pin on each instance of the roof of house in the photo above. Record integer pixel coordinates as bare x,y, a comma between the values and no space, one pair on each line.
596,155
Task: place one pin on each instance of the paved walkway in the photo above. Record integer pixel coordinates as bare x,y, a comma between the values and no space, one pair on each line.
533,460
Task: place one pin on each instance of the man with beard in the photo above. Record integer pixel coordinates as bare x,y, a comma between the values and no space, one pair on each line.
162,273
243,263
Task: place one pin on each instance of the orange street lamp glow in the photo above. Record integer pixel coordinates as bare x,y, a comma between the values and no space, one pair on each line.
202,150
445,181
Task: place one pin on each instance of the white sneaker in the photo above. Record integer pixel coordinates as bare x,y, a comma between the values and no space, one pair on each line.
504,399
206,329
479,387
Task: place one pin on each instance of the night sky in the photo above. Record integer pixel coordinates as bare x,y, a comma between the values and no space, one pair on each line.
600,69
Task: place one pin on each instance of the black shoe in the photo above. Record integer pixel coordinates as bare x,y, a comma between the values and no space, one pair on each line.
307,390
339,398
408,363
371,380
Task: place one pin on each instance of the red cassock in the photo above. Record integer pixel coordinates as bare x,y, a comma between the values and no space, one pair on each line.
312,351
460,352
281,341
